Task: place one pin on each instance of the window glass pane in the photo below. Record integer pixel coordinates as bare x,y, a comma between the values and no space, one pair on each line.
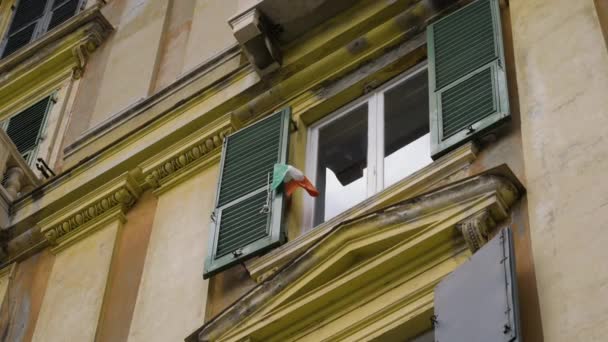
406,129
341,164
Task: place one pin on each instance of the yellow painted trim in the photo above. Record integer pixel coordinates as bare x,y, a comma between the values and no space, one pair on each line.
6,14
10,270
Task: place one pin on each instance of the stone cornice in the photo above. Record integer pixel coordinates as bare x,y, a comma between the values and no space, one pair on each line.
186,156
61,51
83,217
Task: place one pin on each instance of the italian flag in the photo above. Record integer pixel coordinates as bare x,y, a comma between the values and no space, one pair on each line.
292,178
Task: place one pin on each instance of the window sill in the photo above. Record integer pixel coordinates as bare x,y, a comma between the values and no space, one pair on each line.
427,178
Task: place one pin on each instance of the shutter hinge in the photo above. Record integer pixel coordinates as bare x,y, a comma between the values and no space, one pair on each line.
213,217
434,321
470,130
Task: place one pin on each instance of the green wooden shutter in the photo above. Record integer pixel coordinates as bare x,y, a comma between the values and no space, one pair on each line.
25,128
467,78
241,228
26,23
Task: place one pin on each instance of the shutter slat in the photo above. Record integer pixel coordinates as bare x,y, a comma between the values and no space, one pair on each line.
467,79
458,37
248,158
24,128
250,221
468,102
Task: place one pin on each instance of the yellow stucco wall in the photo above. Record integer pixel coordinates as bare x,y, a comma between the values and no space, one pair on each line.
210,32
134,51
562,73
172,294
76,287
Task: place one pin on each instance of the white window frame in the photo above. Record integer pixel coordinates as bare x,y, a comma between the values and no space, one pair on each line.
375,139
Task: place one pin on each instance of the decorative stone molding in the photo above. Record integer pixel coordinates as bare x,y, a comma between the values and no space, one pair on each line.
94,35
476,229
84,216
191,152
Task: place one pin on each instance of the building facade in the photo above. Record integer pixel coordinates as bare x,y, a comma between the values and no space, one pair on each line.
457,147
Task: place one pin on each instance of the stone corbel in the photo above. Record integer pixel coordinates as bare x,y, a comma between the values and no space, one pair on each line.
260,47
476,229
85,216
94,35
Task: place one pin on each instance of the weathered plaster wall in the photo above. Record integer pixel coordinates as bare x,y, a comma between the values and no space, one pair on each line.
562,72
25,293
135,51
174,44
602,13
127,268
172,294
76,287
210,31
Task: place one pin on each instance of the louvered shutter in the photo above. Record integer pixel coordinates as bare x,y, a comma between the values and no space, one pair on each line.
241,226
478,301
467,78
26,23
62,10
25,128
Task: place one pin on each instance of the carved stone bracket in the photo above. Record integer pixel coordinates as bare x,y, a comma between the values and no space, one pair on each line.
191,153
94,35
83,215
476,229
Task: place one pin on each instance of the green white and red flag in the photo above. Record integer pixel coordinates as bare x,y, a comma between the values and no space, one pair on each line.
292,179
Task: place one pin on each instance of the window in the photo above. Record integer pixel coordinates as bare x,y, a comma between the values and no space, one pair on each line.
25,128
33,18
370,144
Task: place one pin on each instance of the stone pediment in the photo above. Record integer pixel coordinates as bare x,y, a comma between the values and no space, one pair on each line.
372,277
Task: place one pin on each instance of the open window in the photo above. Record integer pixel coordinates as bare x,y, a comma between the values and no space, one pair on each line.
369,145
